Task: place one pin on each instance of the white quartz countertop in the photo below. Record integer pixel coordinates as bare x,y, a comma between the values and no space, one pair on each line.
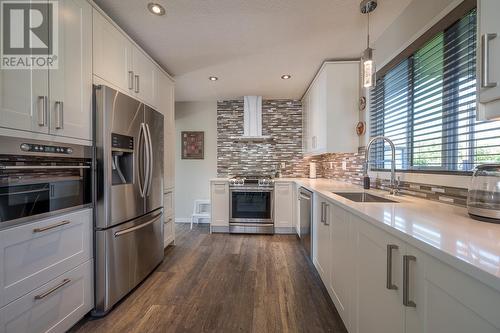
443,231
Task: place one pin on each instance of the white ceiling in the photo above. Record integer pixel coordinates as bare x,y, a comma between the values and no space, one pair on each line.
249,44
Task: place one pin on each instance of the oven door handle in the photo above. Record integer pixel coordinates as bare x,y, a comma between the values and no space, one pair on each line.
25,192
37,167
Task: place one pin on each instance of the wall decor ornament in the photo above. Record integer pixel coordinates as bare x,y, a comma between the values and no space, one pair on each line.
193,144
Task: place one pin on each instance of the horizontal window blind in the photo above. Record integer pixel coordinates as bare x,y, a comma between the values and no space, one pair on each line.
426,104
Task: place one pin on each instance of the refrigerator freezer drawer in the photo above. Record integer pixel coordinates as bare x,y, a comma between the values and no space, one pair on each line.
125,255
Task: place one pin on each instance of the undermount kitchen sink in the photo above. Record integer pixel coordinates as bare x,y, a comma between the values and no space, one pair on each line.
362,197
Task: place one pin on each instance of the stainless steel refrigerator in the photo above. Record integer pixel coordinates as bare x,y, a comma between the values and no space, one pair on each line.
128,139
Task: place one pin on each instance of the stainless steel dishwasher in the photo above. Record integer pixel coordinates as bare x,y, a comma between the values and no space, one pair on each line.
305,213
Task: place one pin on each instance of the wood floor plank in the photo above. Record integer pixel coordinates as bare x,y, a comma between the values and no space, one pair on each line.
219,283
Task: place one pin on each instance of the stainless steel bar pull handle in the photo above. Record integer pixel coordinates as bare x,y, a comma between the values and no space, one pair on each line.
142,154
151,160
51,226
485,60
140,226
406,281
322,218
51,290
327,209
389,284
42,111
137,89
130,80
59,115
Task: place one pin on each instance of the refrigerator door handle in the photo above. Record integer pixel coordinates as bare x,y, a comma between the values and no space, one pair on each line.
142,143
140,226
150,159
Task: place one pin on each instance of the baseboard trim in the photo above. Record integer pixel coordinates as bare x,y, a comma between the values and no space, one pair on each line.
285,230
219,229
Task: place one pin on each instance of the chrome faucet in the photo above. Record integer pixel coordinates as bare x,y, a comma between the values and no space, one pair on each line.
366,179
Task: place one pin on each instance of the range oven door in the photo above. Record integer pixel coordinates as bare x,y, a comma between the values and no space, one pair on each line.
251,205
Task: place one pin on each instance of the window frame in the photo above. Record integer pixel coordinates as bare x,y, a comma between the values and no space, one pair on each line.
407,54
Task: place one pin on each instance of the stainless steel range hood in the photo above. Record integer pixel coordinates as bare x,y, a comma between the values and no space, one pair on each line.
252,118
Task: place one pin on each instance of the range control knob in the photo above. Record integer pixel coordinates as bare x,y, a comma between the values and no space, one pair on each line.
25,147
69,150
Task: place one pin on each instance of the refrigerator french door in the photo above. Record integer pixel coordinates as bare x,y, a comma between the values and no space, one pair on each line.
128,138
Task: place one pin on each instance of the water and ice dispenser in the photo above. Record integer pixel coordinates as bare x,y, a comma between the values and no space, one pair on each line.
122,154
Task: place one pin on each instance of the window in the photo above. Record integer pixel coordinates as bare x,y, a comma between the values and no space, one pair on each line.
426,104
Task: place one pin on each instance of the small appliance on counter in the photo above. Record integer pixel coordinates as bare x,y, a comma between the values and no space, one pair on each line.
483,201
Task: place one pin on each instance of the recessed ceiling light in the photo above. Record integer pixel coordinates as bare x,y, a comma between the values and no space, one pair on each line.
286,77
156,9
213,78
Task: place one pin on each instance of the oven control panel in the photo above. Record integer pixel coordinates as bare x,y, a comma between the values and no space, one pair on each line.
35,148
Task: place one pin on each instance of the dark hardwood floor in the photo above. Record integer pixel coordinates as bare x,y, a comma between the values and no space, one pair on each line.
226,283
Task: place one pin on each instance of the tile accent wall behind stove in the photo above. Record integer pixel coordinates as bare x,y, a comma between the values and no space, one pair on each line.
281,120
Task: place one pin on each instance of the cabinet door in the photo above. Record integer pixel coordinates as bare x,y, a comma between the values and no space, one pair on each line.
23,96
283,206
342,259
447,300
112,54
220,204
488,25
321,240
70,100
166,106
145,77
378,309
305,123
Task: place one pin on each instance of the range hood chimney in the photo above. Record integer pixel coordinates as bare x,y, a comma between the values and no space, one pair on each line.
252,116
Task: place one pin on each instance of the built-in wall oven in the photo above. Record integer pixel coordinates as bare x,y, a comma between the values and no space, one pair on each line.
251,206
40,179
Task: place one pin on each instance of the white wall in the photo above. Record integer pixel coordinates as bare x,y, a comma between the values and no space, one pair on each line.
192,176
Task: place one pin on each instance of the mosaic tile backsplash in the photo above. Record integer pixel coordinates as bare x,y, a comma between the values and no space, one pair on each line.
282,120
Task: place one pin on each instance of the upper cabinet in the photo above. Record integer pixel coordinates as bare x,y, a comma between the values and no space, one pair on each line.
330,109
166,106
119,62
488,59
70,93
55,100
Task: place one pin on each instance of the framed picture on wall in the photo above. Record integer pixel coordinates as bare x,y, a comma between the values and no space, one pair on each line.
193,144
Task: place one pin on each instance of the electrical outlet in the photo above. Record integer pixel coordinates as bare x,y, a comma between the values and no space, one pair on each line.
282,165
344,165
330,165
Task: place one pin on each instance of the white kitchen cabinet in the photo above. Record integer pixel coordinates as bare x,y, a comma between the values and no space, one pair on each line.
118,61
342,252
53,307
330,109
284,201
219,198
33,254
447,300
166,106
55,101
112,54
168,221
488,67
321,238
379,309
70,96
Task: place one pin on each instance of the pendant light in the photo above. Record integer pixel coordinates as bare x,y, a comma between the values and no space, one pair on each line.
366,7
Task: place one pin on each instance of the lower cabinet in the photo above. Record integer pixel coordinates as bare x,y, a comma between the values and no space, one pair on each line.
381,284
54,307
284,200
378,283
168,221
219,199
46,273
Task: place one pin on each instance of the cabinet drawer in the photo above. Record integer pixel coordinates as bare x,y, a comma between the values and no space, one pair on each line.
54,307
168,231
35,253
168,203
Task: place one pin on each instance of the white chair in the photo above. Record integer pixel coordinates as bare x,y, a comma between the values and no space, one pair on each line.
201,211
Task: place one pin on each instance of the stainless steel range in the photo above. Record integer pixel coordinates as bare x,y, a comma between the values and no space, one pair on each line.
251,205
